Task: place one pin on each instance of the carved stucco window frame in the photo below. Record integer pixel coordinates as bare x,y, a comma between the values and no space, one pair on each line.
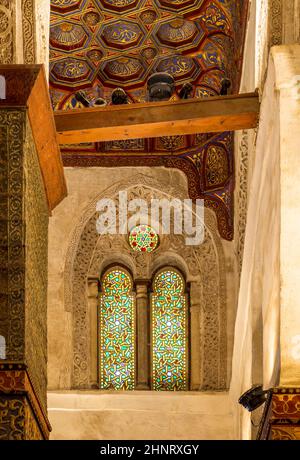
88,254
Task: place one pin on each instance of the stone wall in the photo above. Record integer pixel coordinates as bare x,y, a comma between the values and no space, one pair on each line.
140,415
259,330
75,256
24,32
258,201
259,285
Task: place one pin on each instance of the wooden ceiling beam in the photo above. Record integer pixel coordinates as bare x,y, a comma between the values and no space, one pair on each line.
156,119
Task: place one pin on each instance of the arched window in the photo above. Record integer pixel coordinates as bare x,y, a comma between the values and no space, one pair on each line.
117,331
169,326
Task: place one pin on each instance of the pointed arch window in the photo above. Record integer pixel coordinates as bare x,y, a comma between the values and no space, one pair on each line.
169,326
117,331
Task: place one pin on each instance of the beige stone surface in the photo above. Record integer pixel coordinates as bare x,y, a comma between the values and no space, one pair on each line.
132,415
42,31
84,185
140,415
259,286
258,332
287,68
26,26
267,328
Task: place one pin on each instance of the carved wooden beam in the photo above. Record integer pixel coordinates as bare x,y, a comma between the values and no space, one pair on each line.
26,86
22,416
134,121
281,417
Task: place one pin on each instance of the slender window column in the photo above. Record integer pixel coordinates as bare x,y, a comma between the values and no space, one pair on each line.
143,340
195,336
93,318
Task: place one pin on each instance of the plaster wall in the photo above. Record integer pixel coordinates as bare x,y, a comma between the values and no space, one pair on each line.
265,337
192,415
140,415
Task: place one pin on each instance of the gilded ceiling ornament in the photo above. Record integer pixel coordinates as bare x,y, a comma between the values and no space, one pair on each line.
67,36
180,4
92,18
216,166
148,16
193,40
171,142
94,54
215,18
177,66
63,2
177,31
71,70
65,5
127,144
121,33
149,53
119,2
123,67
116,5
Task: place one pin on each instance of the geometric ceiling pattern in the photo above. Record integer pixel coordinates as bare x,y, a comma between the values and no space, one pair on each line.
98,45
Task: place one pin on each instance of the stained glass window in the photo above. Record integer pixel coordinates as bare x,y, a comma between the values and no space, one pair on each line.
117,331
169,332
143,238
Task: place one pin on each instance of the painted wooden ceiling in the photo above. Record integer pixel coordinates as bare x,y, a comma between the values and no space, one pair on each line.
98,45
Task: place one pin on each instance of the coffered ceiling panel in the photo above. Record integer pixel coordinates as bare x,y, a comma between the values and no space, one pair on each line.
98,45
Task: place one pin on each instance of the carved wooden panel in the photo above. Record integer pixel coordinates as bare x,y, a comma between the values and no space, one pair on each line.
281,418
23,248
21,414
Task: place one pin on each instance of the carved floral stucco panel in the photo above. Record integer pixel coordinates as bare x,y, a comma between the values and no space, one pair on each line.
90,253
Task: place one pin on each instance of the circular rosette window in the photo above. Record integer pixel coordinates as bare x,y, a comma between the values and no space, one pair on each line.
143,238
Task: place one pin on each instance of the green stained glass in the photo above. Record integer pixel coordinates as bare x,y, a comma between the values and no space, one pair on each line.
169,332
143,238
117,332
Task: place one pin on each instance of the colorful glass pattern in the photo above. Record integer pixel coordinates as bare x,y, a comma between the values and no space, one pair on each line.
143,238
117,331
169,332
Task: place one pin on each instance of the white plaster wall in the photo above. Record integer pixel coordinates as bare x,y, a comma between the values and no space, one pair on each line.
42,31
259,286
287,67
139,415
267,325
257,333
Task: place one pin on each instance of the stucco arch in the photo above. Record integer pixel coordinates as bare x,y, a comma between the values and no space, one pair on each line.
89,253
